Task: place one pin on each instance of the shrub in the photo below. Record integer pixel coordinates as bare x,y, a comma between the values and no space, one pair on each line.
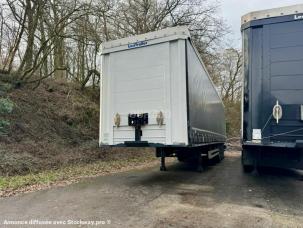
4,88
6,107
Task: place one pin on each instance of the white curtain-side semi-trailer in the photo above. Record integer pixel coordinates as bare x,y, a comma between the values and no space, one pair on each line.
156,92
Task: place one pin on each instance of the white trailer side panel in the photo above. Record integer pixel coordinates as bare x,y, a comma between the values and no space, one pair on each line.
146,79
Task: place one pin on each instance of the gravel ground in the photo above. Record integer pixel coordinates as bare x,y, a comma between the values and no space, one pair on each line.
221,196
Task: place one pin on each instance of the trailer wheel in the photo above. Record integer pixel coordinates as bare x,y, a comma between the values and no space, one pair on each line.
220,156
222,153
181,159
215,160
247,168
195,161
247,162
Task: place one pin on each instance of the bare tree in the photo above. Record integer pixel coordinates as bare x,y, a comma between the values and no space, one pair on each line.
33,11
230,74
1,35
140,16
14,29
62,38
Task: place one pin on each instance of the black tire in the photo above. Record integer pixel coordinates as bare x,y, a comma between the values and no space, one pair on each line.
181,159
163,168
222,153
220,156
216,160
247,168
189,159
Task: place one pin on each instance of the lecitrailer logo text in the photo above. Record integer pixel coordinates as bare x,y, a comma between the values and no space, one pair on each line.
298,17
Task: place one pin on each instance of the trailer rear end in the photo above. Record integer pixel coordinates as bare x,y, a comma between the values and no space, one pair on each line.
273,88
156,92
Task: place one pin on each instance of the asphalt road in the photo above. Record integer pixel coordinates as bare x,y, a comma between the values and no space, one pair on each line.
221,196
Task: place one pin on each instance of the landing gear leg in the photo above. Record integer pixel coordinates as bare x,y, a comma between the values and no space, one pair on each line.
162,167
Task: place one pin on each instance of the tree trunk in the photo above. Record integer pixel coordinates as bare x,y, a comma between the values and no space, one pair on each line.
43,40
1,38
8,63
59,47
34,13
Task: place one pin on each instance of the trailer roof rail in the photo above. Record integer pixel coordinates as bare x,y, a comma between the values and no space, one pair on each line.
164,35
275,12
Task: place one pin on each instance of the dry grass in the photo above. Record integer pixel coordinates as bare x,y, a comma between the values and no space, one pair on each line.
31,182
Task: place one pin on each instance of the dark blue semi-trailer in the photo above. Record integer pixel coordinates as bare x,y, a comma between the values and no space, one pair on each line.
272,105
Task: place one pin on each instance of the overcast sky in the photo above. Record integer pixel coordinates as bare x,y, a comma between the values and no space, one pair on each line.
232,10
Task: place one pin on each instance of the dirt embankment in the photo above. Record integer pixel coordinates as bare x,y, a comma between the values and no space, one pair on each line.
53,126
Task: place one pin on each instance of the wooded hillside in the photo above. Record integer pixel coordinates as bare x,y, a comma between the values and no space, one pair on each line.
50,66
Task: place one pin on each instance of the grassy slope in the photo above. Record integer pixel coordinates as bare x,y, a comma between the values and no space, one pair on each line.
52,127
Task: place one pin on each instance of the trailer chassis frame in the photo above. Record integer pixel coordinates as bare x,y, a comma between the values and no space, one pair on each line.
195,153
